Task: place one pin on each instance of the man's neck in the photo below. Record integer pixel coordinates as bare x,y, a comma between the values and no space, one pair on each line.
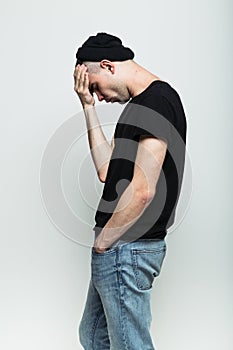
141,79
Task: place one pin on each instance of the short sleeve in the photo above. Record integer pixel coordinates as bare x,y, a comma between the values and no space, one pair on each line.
154,117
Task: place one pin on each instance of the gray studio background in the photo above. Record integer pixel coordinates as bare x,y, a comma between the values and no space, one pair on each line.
45,275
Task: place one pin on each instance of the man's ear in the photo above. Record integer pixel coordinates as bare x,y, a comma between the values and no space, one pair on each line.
109,65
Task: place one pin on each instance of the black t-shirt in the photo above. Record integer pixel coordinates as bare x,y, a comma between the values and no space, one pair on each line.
157,111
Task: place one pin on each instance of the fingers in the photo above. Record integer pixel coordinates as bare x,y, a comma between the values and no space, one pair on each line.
79,71
80,78
81,85
86,81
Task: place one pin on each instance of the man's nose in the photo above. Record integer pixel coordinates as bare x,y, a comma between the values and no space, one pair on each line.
100,97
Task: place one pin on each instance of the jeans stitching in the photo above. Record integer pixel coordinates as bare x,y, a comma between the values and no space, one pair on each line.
134,254
121,297
95,327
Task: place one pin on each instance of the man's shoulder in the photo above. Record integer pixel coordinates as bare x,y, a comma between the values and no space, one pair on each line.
159,96
157,90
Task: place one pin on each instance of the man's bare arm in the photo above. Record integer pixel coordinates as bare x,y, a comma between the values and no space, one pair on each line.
101,151
138,195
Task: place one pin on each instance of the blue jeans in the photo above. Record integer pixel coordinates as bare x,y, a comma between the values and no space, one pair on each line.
117,314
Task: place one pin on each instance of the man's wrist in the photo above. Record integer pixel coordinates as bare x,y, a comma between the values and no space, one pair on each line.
87,106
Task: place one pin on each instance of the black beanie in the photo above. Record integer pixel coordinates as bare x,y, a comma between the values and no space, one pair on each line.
103,46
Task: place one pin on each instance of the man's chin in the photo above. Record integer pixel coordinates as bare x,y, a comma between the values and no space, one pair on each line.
122,102
114,100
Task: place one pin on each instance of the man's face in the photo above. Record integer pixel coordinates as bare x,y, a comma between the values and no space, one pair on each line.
107,87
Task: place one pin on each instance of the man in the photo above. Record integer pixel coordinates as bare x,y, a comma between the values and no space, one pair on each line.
142,173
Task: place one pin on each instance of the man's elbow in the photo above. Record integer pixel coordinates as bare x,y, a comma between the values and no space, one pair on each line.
101,176
102,172
145,196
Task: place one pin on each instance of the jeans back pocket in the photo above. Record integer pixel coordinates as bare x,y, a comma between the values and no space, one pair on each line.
147,264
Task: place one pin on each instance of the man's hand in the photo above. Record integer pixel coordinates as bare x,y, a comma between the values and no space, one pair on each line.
99,245
81,86
100,250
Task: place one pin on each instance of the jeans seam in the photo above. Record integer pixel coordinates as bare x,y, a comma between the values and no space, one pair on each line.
121,297
94,327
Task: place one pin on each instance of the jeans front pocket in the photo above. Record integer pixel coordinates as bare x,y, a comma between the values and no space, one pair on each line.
147,264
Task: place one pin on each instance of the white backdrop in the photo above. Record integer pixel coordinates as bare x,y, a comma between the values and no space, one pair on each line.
44,275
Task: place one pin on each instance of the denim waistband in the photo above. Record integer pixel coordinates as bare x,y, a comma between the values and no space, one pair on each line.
122,242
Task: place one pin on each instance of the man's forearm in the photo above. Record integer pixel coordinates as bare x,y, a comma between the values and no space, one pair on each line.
100,149
130,207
